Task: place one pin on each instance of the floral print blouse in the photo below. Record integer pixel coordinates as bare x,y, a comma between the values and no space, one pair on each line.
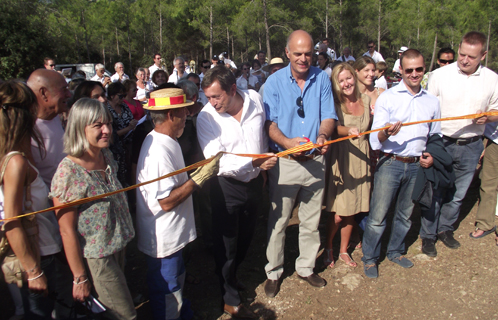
104,225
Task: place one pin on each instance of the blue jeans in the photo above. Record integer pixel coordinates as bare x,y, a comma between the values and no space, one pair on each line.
465,159
165,278
390,177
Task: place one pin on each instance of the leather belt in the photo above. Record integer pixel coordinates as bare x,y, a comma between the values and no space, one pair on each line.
400,158
302,158
462,141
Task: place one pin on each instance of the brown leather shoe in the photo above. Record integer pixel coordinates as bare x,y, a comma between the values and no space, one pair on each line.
271,288
239,312
315,280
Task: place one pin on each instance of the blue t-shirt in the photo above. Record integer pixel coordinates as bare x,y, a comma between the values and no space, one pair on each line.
280,100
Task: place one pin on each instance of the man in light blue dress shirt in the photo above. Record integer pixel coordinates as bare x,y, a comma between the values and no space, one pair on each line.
299,106
402,153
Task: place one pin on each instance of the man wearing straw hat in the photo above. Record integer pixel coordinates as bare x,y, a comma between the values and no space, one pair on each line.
275,65
233,121
463,88
165,214
402,153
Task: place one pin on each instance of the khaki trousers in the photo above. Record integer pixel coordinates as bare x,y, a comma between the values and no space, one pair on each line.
109,282
291,181
485,217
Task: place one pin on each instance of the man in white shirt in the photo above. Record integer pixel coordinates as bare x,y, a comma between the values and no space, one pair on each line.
178,71
247,80
463,88
100,75
165,213
346,55
156,65
401,155
376,56
330,51
119,75
233,121
204,66
52,94
396,64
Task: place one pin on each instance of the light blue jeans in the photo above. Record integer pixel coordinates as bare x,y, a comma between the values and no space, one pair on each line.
391,176
465,159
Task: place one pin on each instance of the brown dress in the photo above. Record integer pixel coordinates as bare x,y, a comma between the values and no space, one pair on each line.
349,177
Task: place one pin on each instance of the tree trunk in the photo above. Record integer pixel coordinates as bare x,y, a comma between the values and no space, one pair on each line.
210,32
378,30
129,43
487,44
340,28
117,41
228,44
77,47
160,28
433,53
326,18
86,35
103,49
267,29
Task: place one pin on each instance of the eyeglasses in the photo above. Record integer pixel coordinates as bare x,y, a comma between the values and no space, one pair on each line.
300,111
370,47
417,70
121,96
441,61
52,65
205,67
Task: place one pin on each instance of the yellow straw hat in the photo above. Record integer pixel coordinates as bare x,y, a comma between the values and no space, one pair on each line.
164,99
273,62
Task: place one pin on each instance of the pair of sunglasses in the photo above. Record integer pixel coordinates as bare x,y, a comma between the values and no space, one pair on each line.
417,70
445,61
300,104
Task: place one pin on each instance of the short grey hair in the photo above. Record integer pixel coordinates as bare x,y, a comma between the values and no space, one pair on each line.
189,88
178,58
117,64
84,112
99,66
159,116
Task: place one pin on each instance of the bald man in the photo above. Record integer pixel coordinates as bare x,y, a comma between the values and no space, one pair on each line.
52,94
297,111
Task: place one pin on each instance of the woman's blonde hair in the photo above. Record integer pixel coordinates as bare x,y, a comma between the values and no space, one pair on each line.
84,112
18,115
338,96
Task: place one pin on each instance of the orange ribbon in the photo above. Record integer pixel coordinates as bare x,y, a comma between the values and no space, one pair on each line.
304,147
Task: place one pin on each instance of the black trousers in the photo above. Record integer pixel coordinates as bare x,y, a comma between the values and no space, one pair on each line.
234,209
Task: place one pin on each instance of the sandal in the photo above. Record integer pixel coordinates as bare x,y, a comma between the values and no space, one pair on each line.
351,262
327,261
483,234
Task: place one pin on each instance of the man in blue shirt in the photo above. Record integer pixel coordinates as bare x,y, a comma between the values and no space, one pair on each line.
402,153
299,106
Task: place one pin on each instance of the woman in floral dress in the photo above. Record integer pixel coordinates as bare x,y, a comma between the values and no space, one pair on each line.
96,233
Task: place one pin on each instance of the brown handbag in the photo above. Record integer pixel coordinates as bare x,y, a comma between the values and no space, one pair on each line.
11,266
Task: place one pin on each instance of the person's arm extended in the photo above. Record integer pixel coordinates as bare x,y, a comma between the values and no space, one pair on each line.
279,138
14,180
68,222
343,131
326,128
178,195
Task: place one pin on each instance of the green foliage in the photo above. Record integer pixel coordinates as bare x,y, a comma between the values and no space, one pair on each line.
131,31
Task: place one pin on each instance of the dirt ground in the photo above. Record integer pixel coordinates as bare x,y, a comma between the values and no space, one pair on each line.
458,284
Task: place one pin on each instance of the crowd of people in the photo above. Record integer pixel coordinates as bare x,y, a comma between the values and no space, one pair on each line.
60,146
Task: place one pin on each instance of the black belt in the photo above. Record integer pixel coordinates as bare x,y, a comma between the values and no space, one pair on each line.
462,141
400,158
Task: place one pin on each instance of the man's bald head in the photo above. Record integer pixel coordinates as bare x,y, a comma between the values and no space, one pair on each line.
51,91
299,36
